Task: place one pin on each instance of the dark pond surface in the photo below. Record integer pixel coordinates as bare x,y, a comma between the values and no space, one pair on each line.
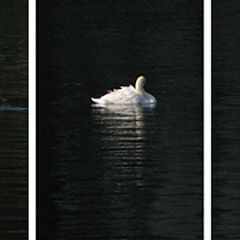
13,120
119,173
226,121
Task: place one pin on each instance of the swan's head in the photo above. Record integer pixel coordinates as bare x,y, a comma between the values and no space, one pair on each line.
140,82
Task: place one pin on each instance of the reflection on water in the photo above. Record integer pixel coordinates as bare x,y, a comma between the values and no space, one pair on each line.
123,137
121,173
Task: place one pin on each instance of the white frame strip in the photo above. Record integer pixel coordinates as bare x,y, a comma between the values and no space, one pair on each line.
207,120
32,119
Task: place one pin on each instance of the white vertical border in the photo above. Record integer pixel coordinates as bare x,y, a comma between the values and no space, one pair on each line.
207,120
32,119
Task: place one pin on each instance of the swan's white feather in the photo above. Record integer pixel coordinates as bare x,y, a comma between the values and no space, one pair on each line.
125,96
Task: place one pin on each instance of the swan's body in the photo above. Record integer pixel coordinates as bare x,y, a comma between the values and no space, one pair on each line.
128,95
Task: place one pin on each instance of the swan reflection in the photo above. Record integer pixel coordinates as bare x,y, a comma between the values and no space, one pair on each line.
121,130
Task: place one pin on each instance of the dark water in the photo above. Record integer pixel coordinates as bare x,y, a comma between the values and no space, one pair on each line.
226,121
13,120
114,173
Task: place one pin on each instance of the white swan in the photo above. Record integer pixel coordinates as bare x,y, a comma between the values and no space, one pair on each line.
128,95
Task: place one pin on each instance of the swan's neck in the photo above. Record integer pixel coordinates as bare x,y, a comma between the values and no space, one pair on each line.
140,91
139,85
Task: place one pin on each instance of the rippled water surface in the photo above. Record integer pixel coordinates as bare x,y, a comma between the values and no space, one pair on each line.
226,121
13,121
120,172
